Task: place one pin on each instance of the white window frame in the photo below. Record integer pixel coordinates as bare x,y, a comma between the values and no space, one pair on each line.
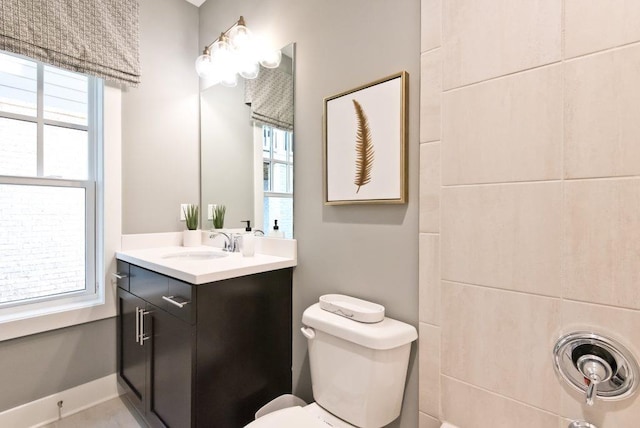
258,176
94,220
272,161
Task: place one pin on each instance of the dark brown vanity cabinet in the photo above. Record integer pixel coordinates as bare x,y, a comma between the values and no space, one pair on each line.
212,357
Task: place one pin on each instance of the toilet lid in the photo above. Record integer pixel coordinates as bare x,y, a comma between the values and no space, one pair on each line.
291,417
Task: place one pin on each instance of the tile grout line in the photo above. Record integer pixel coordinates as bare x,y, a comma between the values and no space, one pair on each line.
555,180
506,290
439,246
559,62
563,223
502,76
497,394
545,296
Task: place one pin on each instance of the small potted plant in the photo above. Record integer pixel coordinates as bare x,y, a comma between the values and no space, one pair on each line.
218,216
191,237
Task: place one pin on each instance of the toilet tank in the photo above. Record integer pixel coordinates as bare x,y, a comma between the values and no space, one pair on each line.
358,370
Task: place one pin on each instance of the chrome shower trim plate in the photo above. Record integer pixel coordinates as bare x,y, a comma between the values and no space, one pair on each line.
623,382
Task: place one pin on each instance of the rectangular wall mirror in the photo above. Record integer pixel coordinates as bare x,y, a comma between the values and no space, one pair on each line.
246,153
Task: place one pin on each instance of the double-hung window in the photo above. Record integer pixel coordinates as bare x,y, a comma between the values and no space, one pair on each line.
50,152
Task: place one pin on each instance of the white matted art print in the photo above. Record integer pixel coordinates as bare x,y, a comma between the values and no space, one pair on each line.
365,143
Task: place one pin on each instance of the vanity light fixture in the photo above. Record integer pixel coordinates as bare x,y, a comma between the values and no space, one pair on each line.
236,52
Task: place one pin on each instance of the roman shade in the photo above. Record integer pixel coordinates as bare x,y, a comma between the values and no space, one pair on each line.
97,37
270,96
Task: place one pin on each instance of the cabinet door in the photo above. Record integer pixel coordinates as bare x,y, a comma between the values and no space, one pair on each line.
170,369
131,355
243,347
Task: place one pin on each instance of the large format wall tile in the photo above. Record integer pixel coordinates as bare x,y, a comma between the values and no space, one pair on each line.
501,341
539,209
470,407
600,24
504,130
602,107
429,395
489,38
429,188
506,236
430,95
617,323
431,24
601,251
429,278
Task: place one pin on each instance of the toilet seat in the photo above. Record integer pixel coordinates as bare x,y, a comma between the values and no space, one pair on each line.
291,417
310,416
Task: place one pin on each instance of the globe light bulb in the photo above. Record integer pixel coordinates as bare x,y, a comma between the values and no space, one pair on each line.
224,59
247,61
221,50
240,36
229,80
228,73
271,58
249,69
204,66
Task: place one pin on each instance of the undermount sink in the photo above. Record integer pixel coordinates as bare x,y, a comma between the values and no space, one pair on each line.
196,255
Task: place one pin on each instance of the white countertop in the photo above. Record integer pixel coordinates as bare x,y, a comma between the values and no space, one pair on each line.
209,270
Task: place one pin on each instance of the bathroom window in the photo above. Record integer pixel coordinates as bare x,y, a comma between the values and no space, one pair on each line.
49,165
277,161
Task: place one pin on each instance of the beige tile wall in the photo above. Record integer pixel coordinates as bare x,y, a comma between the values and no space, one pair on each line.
430,190
529,204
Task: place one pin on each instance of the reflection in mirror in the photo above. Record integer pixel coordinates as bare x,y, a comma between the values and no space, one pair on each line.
247,149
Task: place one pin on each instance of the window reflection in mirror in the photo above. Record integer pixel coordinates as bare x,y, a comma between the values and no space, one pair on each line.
277,174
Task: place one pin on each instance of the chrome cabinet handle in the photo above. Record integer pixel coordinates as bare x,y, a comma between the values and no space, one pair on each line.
137,324
141,336
173,302
119,275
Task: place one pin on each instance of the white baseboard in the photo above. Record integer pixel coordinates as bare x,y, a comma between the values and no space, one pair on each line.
45,410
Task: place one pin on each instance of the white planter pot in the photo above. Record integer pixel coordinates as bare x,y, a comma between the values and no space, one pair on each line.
192,238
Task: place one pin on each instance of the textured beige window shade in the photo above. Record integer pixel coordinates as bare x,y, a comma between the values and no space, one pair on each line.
97,37
271,97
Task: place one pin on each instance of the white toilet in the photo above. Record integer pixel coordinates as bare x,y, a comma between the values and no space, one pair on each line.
358,369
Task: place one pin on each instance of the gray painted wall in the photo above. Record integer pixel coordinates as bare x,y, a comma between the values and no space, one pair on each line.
42,364
160,124
366,251
227,153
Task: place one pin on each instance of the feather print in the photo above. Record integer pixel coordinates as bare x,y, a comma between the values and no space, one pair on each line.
364,148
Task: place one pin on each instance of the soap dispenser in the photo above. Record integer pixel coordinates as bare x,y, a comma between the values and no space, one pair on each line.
248,241
276,232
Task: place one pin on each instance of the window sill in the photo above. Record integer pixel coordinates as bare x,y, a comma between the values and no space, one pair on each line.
35,321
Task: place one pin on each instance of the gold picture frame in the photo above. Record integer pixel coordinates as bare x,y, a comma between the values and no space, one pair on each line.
365,137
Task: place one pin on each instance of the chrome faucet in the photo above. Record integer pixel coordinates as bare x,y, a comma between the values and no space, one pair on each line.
231,244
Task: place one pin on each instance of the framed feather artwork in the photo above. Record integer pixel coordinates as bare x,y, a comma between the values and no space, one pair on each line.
365,134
